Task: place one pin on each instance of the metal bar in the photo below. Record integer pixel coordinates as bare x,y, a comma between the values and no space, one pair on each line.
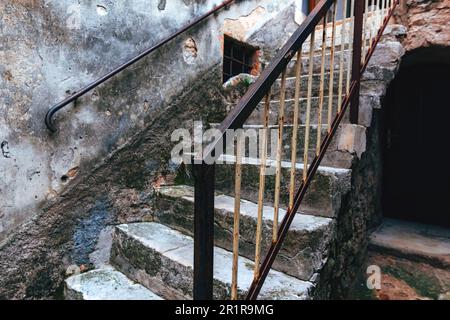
375,15
342,53
308,105
350,40
378,36
371,24
331,87
52,111
237,212
203,231
321,85
366,12
256,286
356,64
276,204
262,181
298,81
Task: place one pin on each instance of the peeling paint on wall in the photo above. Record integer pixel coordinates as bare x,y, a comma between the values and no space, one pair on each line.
5,149
190,51
162,5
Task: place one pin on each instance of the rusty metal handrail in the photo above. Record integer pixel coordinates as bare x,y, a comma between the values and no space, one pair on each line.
53,110
353,98
204,168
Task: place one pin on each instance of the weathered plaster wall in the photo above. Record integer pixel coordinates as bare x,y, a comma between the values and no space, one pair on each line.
59,192
49,49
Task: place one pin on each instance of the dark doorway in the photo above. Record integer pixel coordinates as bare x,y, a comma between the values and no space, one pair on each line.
416,160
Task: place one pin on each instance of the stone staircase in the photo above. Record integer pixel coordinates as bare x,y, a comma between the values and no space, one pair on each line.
154,260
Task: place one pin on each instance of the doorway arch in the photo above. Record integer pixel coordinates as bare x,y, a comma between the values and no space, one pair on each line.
416,178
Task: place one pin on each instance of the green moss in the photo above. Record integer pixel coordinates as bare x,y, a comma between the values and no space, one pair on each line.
424,284
359,290
184,176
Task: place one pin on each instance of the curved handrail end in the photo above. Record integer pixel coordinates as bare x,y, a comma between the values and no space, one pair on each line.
49,121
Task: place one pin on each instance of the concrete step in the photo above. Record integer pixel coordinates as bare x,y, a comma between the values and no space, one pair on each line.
105,284
302,254
339,152
163,257
322,199
256,117
290,86
414,241
318,63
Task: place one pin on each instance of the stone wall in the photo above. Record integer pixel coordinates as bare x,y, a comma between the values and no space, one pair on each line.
361,209
427,22
60,192
421,35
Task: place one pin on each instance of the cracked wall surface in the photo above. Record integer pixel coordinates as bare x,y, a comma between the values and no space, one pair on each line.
50,49
59,191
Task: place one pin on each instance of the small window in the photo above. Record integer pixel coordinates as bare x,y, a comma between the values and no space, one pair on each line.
237,58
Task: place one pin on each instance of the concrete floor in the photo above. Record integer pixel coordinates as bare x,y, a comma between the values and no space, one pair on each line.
414,260
418,242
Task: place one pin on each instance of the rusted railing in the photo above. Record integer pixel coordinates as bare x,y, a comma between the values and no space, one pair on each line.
349,43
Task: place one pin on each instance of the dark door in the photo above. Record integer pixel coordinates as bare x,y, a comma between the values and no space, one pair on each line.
417,163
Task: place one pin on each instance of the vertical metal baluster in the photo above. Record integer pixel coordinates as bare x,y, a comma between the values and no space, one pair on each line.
321,86
376,12
262,181
342,57
386,9
370,24
276,204
366,12
237,212
308,105
350,44
331,88
298,80
380,9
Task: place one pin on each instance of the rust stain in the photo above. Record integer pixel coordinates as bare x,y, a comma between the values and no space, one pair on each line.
73,172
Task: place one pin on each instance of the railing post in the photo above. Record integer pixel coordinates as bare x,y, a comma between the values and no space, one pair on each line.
356,64
203,231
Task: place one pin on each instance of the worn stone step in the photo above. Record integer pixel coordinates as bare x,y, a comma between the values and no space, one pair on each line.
105,284
323,197
315,92
302,254
318,63
163,256
339,153
413,241
257,115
